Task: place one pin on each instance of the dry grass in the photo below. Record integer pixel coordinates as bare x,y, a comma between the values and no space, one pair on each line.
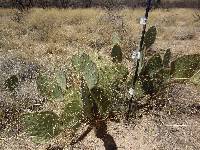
50,37
39,32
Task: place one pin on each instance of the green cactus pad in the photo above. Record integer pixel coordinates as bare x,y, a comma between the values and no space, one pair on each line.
165,72
139,92
153,75
61,79
153,65
109,75
111,78
48,87
101,100
42,124
73,110
185,66
166,58
84,65
150,37
116,54
86,99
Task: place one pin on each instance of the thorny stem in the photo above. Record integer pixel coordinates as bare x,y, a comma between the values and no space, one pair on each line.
139,61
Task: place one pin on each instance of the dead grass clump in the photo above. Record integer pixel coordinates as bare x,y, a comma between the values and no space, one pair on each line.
53,23
184,34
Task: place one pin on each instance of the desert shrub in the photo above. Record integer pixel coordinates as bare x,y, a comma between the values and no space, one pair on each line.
96,91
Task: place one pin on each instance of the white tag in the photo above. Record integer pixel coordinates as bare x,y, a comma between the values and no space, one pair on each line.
143,20
136,54
131,91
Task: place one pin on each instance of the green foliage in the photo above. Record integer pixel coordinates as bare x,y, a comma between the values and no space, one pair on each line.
61,79
83,64
86,99
116,54
108,75
166,58
111,81
157,72
139,92
150,37
101,100
154,75
11,83
101,88
48,87
42,124
153,65
185,66
111,76
73,110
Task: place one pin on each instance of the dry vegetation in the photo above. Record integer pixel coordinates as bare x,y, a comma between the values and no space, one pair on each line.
49,37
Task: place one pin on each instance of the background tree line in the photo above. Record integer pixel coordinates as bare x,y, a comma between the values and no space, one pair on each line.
23,4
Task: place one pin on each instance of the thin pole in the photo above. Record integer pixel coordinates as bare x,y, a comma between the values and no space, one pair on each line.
139,61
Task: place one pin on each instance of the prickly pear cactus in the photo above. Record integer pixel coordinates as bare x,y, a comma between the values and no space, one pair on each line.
42,124
153,75
185,66
150,37
73,110
83,64
86,99
48,87
111,78
139,92
61,79
101,100
116,54
153,65
167,58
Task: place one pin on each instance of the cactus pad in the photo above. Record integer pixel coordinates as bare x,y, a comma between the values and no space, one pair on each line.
150,37
185,66
48,87
116,53
166,58
42,124
73,109
87,68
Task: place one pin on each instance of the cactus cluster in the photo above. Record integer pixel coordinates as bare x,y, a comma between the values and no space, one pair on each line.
88,101
158,70
99,88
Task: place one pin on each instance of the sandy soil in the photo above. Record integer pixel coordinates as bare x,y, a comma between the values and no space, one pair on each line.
174,127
